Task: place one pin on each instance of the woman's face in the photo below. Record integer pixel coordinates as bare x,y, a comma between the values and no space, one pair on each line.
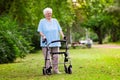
48,15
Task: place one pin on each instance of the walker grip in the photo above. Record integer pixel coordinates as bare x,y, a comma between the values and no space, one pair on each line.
58,41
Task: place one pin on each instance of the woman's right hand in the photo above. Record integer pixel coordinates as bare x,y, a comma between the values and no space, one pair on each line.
44,40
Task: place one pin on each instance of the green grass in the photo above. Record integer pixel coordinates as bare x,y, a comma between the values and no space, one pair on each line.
88,64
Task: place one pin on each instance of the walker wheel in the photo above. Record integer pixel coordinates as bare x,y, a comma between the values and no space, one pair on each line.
44,71
66,70
70,69
48,71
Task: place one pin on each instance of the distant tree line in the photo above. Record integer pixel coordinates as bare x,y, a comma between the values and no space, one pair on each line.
19,21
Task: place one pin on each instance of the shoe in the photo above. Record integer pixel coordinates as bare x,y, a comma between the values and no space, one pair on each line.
57,72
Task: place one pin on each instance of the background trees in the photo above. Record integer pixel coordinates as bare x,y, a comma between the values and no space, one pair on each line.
114,12
19,21
100,18
95,17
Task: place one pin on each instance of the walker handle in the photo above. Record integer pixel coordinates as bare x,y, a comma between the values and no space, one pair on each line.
58,41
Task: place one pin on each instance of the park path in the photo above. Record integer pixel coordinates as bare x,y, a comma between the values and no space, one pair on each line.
106,46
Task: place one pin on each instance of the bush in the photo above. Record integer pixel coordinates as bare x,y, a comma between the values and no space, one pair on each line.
12,43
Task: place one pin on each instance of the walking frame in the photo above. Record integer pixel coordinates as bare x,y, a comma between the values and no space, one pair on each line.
67,68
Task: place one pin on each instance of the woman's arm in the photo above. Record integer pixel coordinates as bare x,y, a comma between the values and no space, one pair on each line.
42,35
62,34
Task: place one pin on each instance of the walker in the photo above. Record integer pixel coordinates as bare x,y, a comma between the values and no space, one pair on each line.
67,61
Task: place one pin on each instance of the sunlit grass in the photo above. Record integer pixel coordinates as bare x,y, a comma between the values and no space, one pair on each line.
88,64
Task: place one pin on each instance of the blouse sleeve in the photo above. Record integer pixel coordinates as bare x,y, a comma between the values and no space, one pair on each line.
40,26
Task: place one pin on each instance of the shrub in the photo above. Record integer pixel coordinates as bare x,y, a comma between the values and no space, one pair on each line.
12,43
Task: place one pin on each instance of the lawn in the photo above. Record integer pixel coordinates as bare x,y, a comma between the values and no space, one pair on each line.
88,64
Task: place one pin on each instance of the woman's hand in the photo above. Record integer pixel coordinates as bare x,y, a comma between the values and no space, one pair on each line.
64,37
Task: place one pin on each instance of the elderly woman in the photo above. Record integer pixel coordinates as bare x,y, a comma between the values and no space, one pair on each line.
50,29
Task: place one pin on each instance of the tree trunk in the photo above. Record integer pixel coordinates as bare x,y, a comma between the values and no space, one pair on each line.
98,31
100,39
114,34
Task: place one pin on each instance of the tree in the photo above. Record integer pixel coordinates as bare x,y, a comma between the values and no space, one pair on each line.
95,17
114,12
100,25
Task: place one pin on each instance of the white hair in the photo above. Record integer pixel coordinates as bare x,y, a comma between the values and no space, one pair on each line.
46,10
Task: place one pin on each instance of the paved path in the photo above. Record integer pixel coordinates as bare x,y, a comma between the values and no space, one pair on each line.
106,46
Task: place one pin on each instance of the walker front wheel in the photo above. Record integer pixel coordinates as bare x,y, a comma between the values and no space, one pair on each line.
44,71
66,70
70,69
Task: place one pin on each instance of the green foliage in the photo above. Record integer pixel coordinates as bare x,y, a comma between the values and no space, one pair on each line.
114,11
100,24
12,43
95,17
27,14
